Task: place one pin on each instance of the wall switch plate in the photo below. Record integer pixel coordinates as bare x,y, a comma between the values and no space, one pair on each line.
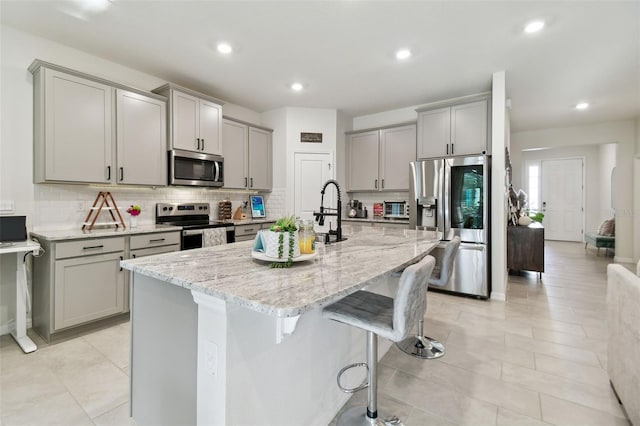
7,207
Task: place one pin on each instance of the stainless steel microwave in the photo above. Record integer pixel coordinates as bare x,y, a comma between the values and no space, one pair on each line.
195,168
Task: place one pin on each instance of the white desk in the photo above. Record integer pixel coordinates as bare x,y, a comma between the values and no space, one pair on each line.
19,329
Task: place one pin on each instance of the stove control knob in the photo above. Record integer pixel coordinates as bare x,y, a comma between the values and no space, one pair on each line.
164,209
170,208
205,207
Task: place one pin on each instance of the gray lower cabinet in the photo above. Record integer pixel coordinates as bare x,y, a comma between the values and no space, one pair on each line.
249,231
88,288
78,284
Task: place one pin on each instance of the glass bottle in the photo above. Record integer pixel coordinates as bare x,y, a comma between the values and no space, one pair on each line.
307,237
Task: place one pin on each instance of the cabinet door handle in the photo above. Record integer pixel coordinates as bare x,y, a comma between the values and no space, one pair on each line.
375,185
202,140
133,256
447,149
451,149
108,172
248,230
198,146
246,183
382,183
121,174
121,259
251,182
157,240
93,247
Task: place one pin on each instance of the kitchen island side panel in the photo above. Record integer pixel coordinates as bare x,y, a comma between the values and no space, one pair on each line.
163,374
243,377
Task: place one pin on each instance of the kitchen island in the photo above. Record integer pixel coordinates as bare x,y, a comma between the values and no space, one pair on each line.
221,338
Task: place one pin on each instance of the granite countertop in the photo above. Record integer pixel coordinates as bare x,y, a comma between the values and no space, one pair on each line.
77,234
339,269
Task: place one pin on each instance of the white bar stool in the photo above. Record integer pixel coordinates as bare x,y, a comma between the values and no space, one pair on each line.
421,346
381,316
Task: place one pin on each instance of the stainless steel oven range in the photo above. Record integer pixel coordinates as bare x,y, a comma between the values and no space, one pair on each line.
194,220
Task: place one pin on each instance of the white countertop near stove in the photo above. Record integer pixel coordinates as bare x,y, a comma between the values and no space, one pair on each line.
78,234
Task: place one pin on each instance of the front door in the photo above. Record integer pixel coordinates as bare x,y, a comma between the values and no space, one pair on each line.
562,199
312,170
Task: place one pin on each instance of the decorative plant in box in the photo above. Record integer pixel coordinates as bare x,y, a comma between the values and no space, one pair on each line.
282,240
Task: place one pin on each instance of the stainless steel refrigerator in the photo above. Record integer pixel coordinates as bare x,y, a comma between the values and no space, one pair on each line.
451,195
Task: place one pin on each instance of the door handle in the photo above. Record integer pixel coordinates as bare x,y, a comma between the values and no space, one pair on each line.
447,149
121,173
451,149
121,259
251,182
375,184
108,172
198,142
202,140
246,183
382,183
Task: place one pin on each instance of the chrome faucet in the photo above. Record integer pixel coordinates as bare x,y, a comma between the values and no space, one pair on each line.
326,211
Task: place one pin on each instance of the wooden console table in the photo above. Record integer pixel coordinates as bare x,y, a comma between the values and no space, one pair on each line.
525,248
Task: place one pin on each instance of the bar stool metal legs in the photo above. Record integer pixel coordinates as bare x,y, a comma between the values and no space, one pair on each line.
421,346
370,416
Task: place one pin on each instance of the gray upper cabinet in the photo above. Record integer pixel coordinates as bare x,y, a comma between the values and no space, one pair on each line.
247,152
72,128
363,155
141,139
194,120
460,129
378,160
260,159
90,130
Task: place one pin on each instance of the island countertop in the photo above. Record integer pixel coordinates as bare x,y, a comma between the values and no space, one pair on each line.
339,269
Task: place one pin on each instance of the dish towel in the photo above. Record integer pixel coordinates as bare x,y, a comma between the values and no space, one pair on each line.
215,236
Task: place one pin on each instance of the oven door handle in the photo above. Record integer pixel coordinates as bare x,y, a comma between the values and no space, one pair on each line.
192,232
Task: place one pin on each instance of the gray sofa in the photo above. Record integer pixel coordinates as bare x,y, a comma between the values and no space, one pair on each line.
623,317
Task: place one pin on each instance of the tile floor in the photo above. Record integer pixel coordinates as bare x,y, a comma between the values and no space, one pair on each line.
539,358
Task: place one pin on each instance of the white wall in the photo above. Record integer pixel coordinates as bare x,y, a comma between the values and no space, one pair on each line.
607,154
500,139
52,206
623,133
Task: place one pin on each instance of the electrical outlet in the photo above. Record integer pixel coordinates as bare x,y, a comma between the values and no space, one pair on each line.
211,358
7,207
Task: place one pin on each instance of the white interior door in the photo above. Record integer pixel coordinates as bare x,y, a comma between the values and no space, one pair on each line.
312,170
562,199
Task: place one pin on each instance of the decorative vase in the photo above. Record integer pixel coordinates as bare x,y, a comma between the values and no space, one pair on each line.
271,241
133,221
524,221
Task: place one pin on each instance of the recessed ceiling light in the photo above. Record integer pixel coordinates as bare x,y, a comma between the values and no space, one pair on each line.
534,27
403,54
224,48
297,87
582,105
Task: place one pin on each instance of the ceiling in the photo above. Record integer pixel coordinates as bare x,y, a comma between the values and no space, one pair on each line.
344,51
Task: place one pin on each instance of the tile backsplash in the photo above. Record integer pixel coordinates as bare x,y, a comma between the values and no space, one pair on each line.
66,206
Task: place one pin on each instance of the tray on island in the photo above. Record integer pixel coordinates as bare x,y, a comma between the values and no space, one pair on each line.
261,256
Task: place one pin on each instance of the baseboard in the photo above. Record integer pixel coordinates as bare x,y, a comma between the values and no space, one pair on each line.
6,328
619,259
498,296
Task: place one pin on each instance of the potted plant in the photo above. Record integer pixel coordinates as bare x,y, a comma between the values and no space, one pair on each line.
134,211
282,241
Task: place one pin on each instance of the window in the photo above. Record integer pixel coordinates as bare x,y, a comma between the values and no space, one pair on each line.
533,177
